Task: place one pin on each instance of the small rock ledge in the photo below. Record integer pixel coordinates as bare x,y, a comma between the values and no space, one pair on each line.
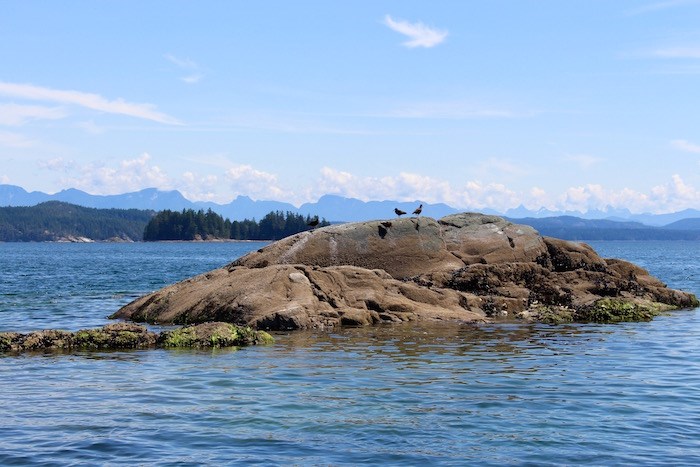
120,336
465,267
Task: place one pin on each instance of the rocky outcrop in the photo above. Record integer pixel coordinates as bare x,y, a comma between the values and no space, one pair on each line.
119,336
466,267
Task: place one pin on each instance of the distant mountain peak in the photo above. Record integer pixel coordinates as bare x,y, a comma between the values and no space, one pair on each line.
331,206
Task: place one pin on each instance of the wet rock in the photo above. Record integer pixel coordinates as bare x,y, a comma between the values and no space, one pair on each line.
213,335
465,267
120,336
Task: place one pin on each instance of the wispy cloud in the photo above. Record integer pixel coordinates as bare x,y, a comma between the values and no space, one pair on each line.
584,161
17,115
91,127
501,166
660,6
691,52
15,140
86,100
448,110
686,146
419,34
57,164
194,72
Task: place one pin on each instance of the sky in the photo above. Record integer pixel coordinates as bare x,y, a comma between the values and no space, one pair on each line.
561,104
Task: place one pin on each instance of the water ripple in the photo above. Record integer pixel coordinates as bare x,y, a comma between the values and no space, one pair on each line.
401,395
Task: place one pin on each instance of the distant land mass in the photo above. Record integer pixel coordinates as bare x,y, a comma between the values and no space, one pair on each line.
56,221
575,228
616,223
331,207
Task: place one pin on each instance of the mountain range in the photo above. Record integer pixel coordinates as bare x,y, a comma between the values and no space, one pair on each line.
332,207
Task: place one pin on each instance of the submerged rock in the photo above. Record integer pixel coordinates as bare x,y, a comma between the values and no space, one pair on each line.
465,267
119,336
213,335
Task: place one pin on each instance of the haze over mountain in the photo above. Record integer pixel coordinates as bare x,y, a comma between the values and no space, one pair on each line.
332,207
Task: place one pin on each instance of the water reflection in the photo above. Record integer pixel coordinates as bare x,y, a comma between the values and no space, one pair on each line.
418,339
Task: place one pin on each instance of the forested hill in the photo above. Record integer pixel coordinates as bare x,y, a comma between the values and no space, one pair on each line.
58,221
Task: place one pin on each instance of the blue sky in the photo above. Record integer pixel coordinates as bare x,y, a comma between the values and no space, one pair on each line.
480,104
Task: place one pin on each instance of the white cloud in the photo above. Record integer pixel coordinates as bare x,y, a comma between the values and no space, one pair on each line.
195,73
675,193
222,187
537,198
411,187
129,175
476,195
669,197
247,181
686,146
86,100
4,179
419,34
200,187
491,195
17,115
403,187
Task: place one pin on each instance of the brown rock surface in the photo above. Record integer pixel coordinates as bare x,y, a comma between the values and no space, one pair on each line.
467,267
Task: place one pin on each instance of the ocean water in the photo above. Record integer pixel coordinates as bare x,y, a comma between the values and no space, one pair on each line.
392,395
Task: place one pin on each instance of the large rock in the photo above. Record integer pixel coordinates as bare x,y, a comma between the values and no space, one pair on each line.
408,247
467,267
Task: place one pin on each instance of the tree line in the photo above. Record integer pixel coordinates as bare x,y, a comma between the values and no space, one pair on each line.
189,224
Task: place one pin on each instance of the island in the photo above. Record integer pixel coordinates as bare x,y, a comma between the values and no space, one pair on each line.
466,267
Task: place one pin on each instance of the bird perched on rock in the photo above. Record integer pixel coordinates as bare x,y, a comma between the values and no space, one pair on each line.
386,224
418,210
313,222
399,212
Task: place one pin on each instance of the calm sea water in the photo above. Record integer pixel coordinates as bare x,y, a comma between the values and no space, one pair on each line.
429,395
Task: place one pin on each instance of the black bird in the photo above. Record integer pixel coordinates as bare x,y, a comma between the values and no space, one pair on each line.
418,210
386,224
313,222
399,212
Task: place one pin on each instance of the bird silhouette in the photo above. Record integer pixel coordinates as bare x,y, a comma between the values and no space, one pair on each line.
313,222
418,210
399,212
386,224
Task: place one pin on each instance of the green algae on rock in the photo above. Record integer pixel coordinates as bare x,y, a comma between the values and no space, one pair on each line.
213,335
121,336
